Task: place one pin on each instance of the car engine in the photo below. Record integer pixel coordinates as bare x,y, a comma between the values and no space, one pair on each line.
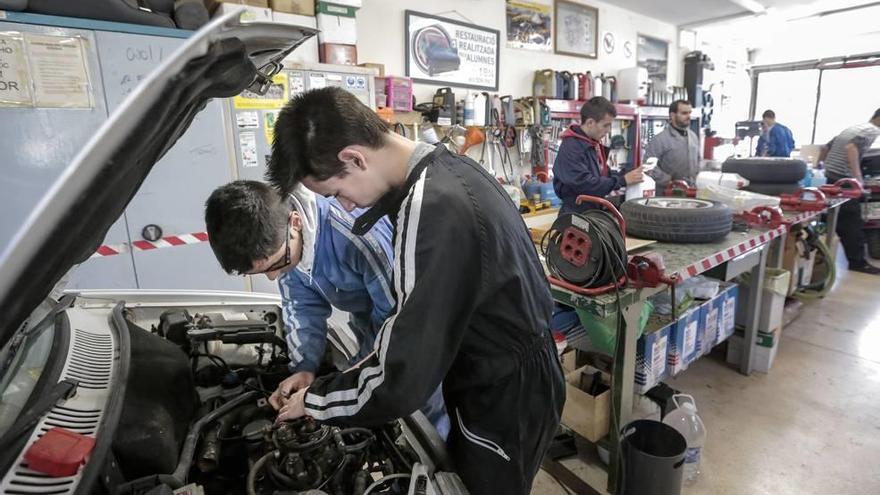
223,438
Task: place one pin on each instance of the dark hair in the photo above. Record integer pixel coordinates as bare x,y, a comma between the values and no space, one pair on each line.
312,129
768,114
673,108
597,108
876,115
245,221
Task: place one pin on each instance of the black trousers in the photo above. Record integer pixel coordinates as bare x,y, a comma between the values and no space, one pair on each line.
851,229
500,433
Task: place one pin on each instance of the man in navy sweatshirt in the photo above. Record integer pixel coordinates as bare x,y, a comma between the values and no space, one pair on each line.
581,165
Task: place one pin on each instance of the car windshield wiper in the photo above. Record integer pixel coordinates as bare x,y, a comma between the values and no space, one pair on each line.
20,337
62,390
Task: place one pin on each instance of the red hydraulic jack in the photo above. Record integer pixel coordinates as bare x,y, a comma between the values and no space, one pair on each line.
680,189
844,188
648,271
807,199
763,216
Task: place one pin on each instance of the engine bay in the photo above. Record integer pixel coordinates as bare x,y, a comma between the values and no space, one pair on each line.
227,361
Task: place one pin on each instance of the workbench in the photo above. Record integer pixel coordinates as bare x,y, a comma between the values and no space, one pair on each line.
736,254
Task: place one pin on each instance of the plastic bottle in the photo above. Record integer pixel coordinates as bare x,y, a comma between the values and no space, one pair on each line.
685,419
469,110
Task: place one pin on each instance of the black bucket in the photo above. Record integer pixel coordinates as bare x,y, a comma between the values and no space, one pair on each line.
653,455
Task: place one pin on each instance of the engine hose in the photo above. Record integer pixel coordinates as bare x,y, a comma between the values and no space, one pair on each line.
192,438
605,249
252,474
820,290
382,481
369,437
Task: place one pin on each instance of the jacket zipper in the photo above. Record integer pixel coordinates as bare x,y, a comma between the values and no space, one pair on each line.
478,440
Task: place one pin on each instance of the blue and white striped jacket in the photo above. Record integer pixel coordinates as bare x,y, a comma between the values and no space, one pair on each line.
351,273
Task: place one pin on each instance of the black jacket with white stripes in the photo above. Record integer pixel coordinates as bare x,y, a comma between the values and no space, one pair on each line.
471,297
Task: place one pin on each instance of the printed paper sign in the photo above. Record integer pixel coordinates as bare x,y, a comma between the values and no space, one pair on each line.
247,120
15,82
658,359
690,339
59,72
317,81
297,83
446,51
248,143
274,99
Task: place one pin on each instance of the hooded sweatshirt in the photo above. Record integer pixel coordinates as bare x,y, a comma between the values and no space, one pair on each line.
581,168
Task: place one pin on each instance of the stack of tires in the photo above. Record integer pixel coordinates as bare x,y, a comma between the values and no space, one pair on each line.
771,176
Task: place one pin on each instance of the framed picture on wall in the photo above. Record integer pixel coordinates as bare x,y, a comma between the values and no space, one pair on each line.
653,54
577,29
450,52
529,26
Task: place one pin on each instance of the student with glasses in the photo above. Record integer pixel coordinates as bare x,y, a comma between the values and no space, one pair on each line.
305,243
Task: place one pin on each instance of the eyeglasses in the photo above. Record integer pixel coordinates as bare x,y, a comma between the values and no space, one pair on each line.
283,261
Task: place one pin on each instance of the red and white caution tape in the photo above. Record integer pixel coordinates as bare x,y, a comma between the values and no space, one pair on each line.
718,258
165,242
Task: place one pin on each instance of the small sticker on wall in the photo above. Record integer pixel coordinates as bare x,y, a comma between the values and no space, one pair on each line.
248,143
269,118
247,120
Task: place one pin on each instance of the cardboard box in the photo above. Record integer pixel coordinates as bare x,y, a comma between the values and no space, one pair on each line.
378,67
301,7
727,324
764,354
308,51
682,349
588,416
710,321
211,5
331,53
337,24
776,283
248,13
651,355
348,3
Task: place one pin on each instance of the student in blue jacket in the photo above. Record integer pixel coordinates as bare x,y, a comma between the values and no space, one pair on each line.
305,242
776,140
581,164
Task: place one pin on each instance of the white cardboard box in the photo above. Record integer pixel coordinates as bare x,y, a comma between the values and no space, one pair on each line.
337,29
248,13
308,52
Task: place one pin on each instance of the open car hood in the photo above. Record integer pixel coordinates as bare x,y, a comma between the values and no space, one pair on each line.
71,220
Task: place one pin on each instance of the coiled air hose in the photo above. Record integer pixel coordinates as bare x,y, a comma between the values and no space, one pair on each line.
819,289
586,249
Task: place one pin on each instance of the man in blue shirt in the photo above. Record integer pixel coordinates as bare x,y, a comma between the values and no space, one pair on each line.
306,244
580,166
776,140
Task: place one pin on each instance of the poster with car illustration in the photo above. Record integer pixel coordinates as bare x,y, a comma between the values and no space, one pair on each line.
450,52
529,26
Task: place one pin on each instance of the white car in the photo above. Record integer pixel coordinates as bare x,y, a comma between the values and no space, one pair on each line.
165,392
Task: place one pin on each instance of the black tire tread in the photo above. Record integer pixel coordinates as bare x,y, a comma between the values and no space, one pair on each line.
677,226
767,170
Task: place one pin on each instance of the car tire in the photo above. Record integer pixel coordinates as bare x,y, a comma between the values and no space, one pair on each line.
873,238
679,220
771,189
767,170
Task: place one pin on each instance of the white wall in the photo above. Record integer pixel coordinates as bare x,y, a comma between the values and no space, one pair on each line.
381,40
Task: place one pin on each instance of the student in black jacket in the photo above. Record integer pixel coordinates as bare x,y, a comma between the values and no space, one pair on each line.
472,302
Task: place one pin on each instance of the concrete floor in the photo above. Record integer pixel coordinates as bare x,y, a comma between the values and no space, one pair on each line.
810,426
